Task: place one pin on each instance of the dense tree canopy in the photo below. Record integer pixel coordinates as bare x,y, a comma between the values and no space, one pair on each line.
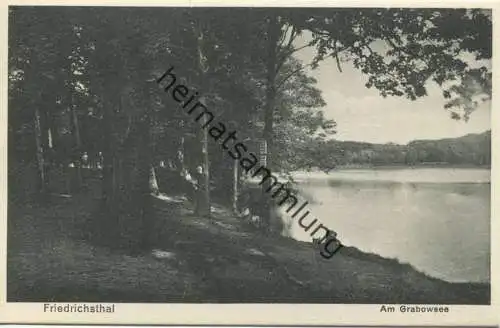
82,79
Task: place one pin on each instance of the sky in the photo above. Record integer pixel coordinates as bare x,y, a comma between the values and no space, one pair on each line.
363,115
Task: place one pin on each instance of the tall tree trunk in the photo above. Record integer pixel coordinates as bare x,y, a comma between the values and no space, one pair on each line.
78,146
42,179
76,153
106,219
181,154
203,203
48,145
273,36
202,176
153,182
76,128
50,138
127,190
108,165
126,206
235,186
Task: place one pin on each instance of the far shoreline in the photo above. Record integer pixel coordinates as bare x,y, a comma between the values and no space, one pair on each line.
415,166
397,167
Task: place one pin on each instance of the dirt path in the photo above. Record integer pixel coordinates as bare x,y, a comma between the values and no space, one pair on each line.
209,260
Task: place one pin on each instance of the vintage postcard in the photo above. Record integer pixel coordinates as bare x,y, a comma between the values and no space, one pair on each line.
249,163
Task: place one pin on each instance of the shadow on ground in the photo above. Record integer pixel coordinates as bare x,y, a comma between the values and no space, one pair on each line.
217,260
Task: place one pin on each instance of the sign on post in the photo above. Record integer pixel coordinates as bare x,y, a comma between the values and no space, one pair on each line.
263,152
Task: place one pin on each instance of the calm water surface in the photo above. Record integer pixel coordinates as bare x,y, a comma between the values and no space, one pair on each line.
436,219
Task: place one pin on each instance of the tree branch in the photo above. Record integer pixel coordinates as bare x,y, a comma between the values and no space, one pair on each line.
395,46
294,50
285,54
337,56
283,37
290,75
293,35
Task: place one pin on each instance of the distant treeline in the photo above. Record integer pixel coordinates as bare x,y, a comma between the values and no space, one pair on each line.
471,149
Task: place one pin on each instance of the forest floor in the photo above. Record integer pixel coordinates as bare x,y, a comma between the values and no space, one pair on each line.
218,260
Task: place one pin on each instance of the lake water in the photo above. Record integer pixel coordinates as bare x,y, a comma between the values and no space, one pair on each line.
437,219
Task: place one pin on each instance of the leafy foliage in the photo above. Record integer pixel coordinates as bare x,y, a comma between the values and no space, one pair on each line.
90,72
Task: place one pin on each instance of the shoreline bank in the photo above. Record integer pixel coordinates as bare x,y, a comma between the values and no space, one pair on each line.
221,259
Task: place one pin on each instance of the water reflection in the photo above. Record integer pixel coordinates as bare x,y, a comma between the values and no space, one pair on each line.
436,219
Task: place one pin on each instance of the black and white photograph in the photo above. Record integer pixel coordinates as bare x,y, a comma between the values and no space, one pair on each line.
243,155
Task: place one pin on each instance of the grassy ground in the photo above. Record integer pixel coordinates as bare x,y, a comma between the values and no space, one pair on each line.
221,259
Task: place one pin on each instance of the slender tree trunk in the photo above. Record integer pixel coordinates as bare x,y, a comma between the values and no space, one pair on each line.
104,228
42,183
184,168
107,157
126,205
203,204
50,139
146,174
273,36
235,186
46,124
203,177
153,182
181,155
76,127
127,187
50,156
78,146
76,153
